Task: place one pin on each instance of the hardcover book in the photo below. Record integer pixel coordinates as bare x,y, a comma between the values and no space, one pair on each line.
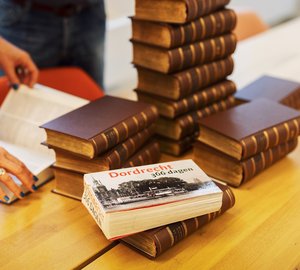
188,123
181,11
70,183
277,89
112,159
251,128
172,60
170,36
154,242
131,200
181,84
207,96
236,172
98,126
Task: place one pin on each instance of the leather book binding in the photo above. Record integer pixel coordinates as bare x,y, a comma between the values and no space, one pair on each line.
199,53
170,36
181,11
99,125
250,128
183,83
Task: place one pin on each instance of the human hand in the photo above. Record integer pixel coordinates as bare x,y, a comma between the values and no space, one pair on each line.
10,164
17,64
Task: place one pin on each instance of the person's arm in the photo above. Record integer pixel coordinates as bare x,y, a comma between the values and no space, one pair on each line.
12,59
10,164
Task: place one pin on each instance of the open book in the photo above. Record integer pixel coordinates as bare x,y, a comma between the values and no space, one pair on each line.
21,114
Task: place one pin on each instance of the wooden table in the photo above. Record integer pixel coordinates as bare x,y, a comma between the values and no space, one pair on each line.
47,231
262,231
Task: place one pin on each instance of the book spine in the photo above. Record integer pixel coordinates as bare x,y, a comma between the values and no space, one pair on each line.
147,155
263,160
205,97
270,137
198,8
201,76
209,26
118,155
171,234
201,52
120,132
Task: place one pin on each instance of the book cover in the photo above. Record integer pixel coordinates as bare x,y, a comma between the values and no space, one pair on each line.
172,109
154,242
173,60
181,11
130,200
99,125
250,128
284,91
234,172
166,35
181,84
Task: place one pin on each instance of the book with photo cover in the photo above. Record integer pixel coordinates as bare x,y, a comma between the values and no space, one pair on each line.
135,199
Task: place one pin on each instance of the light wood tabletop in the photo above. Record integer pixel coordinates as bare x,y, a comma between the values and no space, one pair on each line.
262,230
47,231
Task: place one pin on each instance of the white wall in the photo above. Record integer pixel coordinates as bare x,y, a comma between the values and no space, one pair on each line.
119,73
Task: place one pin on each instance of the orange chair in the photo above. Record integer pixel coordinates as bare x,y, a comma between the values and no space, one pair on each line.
249,23
71,80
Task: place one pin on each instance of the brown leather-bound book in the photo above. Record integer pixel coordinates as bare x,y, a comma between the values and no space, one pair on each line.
70,183
181,84
176,147
99,125
114,158
169,36
250,128
180,11
187,124
154,242
284,91
169,61
171,109
236,172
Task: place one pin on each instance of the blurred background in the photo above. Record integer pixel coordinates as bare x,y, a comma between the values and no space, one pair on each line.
119,72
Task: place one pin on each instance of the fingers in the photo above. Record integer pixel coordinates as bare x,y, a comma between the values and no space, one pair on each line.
17,168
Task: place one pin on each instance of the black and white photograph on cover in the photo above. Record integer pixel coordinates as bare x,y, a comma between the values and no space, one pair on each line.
146,192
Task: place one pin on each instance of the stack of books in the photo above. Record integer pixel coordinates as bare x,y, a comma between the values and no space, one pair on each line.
105,134
182,52
169,200
245,140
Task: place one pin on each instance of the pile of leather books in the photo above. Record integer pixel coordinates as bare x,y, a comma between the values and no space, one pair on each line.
105,134
182,52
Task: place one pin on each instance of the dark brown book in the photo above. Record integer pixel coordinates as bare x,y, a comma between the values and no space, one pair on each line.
154,242
169,36
172,60
171,109
180,11
176,147
70,183
187,124
181,84
98,126
114,158
284,91
250,128
236,172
